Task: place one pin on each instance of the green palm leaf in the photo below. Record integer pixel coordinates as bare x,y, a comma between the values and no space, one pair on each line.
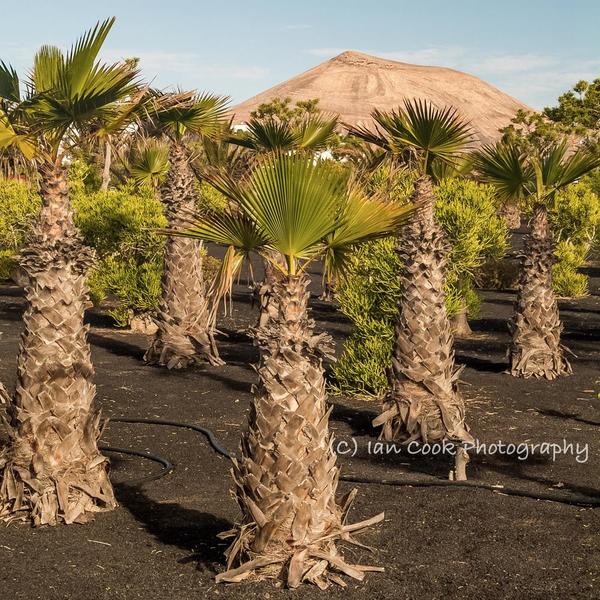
419,133
47,64
202,114
293,200
361,219
505,166
150,162
558,171
9,83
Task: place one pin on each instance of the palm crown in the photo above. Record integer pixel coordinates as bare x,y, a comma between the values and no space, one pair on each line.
63,95
418,134
312,133
299,208
179,113
536,177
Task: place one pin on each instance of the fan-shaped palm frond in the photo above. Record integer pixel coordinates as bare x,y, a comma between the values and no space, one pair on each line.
516,175
298,208
361,219
149,163
506,167
556,170
202,114
66,91
422,131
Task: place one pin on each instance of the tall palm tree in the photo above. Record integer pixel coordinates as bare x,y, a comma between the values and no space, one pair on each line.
535,350
185,319
51,470
286,477
423,402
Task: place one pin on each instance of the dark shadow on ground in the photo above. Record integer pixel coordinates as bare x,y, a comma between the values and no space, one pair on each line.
117,347
172,524
564,415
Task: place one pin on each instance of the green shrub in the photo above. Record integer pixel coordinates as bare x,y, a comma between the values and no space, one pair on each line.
369,295
136,286
19,205
369,298
575,219
120,224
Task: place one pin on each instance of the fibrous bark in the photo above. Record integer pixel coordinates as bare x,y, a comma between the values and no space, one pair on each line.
286,478
423,403
511,213
51,470
185,318
535,350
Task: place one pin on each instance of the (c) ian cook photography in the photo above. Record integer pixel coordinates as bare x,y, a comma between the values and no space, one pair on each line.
300,299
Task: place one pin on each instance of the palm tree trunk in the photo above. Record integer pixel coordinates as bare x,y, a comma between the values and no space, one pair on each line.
286,478
51,469
185,318
535,350
423,403
268,302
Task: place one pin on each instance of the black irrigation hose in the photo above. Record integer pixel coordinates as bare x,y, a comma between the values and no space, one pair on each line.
165,462
570,499
210,436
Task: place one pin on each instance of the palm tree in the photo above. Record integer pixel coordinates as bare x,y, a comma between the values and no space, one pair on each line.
535,350
423,402
185,319
286,478
51,469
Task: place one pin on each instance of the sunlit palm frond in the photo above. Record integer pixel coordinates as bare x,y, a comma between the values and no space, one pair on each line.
361,219
558,170
506,167
12,138
202,114
293,199
420,130
265,135
47,65
316,132
228,229
69,90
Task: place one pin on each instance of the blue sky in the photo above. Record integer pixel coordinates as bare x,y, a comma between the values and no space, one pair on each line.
531,49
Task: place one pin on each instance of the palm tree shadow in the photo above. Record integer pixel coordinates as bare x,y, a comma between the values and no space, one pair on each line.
117,347
172,524
359,421
566,415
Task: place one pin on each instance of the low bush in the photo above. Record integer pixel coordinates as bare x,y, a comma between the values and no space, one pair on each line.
19,205
575,219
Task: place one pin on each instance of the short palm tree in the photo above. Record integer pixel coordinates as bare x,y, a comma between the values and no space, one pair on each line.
286,477
535,350
423,402
51,470
185,320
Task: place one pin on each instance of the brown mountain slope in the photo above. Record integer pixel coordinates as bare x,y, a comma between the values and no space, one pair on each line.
352,84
